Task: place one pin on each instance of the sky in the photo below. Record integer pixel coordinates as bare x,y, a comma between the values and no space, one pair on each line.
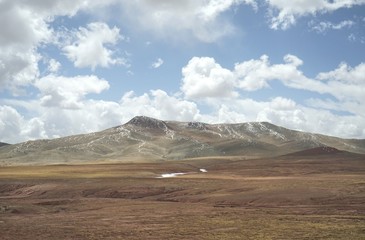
78,66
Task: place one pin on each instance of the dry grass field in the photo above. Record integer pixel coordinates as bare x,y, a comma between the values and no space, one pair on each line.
291,197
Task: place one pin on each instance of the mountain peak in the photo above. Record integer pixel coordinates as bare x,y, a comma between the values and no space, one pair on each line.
148,138
147,122
198,125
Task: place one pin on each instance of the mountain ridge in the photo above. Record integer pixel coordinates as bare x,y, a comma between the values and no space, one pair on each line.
149,139
3,144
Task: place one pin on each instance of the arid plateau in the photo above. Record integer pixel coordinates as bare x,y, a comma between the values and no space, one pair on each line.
151,179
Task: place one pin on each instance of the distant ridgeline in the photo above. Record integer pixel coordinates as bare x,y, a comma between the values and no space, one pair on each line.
3,144
149,139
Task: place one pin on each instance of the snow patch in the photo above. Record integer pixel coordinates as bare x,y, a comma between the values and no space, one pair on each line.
170,175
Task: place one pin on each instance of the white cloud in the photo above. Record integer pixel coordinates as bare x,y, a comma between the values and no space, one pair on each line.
63,106
323,27
285,112
255,74
15,128
252,74
345,82
347,85
352,37
31,27
92,46
33,129
158,63
18,56
25,29
280,103
294,119
227,115
10,121
201,19
59,120
53,66
18,68
63,92
160,105
284,13
203,77
170,107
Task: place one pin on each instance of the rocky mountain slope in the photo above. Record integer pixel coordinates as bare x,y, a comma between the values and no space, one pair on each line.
3,144
145,139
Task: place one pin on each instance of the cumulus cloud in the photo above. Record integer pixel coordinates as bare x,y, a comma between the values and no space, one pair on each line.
285,13
64,105
92,46
253,74
65,92
201,19
160,105
286,112
10,121
63,100
280,103
58,113
57,120
17,68
256,74
203,77
29,29
15,128
345,82
158,63
18,55
347,85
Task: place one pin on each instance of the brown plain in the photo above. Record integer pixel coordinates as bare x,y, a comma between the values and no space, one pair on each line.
299,196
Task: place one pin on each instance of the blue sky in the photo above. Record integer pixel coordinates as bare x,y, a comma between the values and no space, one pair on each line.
69,67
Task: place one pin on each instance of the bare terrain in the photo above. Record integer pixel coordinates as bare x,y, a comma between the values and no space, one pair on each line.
315,194
153,179
147,139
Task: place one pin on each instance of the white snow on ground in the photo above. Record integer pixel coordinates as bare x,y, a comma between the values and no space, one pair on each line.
170,175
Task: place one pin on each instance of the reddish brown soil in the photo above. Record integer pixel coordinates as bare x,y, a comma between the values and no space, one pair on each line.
283,198
318,151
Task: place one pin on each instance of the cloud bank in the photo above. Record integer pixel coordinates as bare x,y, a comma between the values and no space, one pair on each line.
284,14
201,19
59,103
204,84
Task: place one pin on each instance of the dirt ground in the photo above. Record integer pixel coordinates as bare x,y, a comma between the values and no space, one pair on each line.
290,197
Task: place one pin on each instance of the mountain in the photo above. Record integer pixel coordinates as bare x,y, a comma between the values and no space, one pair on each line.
148,139
3,144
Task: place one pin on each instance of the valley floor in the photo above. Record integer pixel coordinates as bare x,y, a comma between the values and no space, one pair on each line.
282,198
